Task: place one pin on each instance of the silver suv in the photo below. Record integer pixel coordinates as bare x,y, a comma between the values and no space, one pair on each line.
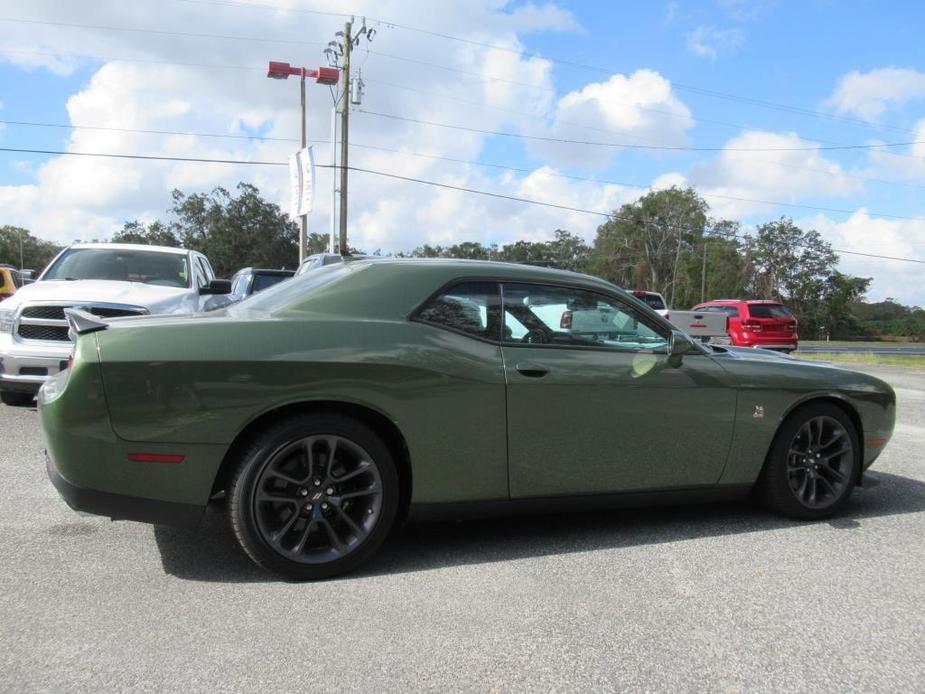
107,279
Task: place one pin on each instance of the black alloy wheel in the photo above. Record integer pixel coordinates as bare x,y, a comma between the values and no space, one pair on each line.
819,460
314,497
813,463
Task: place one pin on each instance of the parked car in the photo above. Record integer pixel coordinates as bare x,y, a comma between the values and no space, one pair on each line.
653,300
332,406
10,281
249,280
757,323
106,279
317,260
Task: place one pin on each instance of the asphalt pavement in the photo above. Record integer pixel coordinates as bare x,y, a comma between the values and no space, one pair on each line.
905,349
702,598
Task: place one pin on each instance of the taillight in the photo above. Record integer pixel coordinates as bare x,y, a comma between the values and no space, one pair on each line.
752,325
565,322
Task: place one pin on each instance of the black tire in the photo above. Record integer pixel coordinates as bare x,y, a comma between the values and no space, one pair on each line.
273,465
16,399
805,480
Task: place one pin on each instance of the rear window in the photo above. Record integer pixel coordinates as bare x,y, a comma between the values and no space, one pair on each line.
262,282
653,301
769,311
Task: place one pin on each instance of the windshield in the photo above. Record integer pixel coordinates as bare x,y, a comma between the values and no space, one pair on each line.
284,293
147,267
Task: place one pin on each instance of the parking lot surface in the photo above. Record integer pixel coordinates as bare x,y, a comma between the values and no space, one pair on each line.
701,598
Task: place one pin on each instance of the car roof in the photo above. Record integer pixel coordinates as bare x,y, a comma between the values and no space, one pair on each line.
131,247
394,287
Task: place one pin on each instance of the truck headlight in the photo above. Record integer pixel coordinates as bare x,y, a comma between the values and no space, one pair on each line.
6,320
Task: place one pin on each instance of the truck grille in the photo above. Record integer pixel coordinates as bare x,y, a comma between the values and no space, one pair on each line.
48,323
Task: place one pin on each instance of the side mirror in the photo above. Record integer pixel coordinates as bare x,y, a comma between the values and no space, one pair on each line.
679,344
216,287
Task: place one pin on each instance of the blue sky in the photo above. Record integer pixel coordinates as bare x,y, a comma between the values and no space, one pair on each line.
831,73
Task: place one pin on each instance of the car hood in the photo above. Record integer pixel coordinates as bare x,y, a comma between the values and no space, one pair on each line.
149,296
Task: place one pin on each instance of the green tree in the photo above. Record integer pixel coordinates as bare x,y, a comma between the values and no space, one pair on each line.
235,230
642,245
36,253
154,234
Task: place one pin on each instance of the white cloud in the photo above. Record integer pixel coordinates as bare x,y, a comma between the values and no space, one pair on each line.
908,163
869,94
710,42
75,197
639,108
782,175
891,237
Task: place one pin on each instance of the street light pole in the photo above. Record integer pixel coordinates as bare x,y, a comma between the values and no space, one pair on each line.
322,75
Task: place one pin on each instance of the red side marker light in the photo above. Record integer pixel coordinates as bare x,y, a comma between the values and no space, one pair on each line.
875,442
167,458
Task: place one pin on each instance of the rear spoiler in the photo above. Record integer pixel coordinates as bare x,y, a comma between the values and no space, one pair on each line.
80,322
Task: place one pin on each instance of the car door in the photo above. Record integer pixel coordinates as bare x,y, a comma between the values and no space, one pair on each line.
594,407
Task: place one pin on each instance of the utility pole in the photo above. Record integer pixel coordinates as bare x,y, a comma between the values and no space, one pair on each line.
344,134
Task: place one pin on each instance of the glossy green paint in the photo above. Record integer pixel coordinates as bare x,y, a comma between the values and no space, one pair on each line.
476,429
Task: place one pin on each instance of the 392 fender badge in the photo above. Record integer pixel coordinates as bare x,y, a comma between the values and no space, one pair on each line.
759,412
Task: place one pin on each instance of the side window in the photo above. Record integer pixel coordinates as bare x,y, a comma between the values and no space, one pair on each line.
473,308
571,317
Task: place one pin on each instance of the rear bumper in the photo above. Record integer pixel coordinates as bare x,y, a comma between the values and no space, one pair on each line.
121,507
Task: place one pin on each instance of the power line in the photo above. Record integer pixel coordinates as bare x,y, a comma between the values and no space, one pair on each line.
570,63
409,179
402,152
260,138
162,32
604,181
626,145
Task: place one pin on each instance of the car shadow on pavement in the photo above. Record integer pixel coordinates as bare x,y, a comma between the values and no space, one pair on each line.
210,552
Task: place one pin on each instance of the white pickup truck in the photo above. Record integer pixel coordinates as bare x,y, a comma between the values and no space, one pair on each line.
705,326
106,279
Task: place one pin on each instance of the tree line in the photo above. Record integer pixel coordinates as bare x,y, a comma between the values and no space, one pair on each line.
665,241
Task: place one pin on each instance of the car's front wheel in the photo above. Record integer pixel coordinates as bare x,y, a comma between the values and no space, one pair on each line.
813,463
314,496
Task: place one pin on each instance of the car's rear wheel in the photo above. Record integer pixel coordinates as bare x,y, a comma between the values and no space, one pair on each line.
813,463
16,399
314,496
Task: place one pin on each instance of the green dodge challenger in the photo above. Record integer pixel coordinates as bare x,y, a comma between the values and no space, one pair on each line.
332,406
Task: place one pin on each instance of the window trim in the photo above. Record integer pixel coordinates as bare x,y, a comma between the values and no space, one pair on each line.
414,316
628,301
584,348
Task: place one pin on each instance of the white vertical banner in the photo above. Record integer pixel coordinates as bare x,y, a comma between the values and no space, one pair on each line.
302,178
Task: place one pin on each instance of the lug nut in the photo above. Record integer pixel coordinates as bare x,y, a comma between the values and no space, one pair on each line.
308,507
317,483
303,492
329,491
324,506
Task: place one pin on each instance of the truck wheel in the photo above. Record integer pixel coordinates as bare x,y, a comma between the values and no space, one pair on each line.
812,465
16,399
314,496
